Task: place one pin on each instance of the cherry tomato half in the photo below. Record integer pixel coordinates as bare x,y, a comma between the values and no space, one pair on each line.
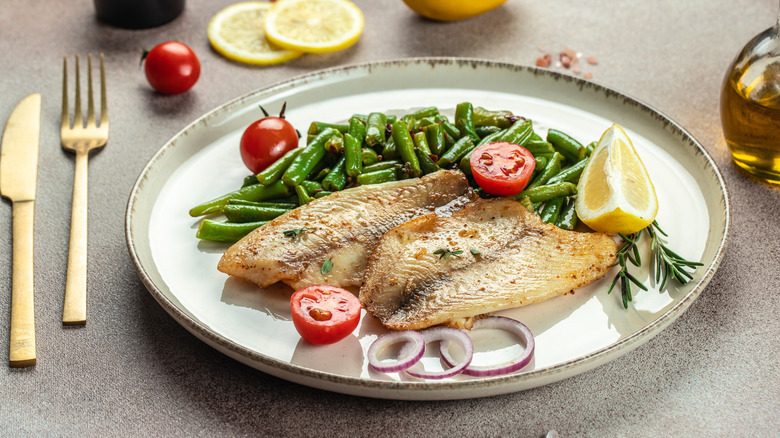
324,314
501,168
171,67
265,141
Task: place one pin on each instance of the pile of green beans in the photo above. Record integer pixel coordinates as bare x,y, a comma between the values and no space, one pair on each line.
376,148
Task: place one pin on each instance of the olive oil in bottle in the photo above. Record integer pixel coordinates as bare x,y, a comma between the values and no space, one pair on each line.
750,107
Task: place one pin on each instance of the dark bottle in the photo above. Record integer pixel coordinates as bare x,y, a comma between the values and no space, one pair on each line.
138,14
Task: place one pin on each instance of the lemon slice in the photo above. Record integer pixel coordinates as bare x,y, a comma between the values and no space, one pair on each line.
236,32
452,10
615,194
315,26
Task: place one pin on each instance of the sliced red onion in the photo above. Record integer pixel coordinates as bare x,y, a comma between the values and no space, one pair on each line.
446,335
410,353
501,323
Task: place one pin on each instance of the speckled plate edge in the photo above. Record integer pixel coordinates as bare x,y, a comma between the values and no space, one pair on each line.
428,390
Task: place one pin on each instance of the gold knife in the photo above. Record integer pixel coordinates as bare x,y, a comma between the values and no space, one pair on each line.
18,175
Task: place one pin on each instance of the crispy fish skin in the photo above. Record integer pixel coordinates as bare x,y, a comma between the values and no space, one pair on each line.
521,260
343,227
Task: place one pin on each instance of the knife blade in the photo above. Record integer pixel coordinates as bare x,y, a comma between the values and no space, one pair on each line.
18,176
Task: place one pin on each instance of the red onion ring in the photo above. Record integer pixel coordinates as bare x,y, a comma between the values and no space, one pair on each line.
501,323
410,353
446,335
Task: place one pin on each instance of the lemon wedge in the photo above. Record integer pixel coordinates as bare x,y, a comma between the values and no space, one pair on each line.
314,26
452,10
615,194
236,32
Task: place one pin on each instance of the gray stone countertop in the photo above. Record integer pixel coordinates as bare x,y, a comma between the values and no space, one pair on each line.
133,371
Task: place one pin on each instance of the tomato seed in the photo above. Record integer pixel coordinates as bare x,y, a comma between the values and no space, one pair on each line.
320,314
486,156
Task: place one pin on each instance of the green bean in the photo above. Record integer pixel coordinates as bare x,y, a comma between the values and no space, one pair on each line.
551,169
456,152
547,192
357,129
353,156
237,213
269,204
519,133
311,186
390,150
434,134
451,130
430,111
570,174
465,164
426,163
335,144
322,194
368,156
552,210
567,219
375,129
320,174
303,195
483,131
483,117
425,121
464,120
409,120
541,163
225,231
276,169
317,127
421,143
249,180
337,178
527,203
311,155
565,144
405,144
587,151
539,147
496,136
382,165
378,177
255,192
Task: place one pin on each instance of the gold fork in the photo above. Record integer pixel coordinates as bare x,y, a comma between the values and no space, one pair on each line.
80,139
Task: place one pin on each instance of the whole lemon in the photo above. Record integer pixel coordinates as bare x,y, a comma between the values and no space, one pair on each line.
452,10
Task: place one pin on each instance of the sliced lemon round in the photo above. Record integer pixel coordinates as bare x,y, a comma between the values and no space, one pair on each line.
452,10
236,32
315,26
615,194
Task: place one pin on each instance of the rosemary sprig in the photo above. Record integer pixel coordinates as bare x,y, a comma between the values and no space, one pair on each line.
292,234
628,253
668,264
445,253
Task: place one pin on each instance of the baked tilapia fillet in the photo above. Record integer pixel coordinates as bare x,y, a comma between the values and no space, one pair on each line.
343,227
417,277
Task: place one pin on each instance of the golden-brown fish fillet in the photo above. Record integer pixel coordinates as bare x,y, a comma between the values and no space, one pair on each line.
521,260
345,227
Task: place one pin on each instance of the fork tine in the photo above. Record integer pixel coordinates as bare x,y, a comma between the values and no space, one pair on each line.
103,101
90,100
77,118
65,114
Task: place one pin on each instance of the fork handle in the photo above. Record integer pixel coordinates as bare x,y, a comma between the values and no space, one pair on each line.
75,309
22,342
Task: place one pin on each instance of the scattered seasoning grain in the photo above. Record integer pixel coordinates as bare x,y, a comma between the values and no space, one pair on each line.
592,60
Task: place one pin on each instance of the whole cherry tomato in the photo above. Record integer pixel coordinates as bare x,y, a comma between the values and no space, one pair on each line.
501,168
171,67
324,314
266,140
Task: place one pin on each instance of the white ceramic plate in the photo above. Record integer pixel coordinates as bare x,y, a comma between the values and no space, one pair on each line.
574,333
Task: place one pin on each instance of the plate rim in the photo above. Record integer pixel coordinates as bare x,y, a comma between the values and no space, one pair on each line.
425,390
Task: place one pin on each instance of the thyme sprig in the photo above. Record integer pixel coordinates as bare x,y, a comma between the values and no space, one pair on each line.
292,234
445,253
668,264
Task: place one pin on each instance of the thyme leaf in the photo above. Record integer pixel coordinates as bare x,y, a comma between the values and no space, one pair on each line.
475,252
445,253
292,234
327,265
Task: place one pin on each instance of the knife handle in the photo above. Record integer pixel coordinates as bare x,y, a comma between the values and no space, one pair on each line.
74,311
22,345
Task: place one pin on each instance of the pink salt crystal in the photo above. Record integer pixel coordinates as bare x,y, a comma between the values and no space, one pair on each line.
587,75
565,60
592,60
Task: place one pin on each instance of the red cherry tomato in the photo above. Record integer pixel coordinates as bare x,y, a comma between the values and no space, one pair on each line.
324,314
501,168
171,67
265,141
